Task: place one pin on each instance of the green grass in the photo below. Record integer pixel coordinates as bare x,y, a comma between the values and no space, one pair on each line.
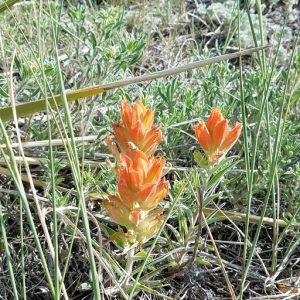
62,230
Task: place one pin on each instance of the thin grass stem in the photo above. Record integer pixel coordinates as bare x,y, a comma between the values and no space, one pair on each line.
76,170
8,256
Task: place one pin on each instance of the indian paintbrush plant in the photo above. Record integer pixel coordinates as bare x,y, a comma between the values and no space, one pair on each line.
141,186
216,138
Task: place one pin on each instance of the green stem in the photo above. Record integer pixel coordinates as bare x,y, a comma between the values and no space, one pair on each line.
8,256
129,266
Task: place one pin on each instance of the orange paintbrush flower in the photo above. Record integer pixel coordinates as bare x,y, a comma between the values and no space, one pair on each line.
136,127
215,136
140,188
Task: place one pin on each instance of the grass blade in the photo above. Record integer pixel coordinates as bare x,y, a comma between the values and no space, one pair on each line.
30,108
7,4
7,254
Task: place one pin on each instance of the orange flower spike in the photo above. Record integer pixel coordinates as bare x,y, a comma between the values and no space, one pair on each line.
215,136
137,127
140,183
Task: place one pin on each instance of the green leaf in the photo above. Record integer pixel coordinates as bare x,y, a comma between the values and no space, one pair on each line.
220,174
201,159
27,109
117,239
202,261
222,164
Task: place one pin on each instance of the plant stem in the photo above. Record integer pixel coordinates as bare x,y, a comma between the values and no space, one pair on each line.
200,200
129,266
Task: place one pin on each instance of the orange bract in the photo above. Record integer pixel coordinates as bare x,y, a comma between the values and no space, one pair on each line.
136,127
215,136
